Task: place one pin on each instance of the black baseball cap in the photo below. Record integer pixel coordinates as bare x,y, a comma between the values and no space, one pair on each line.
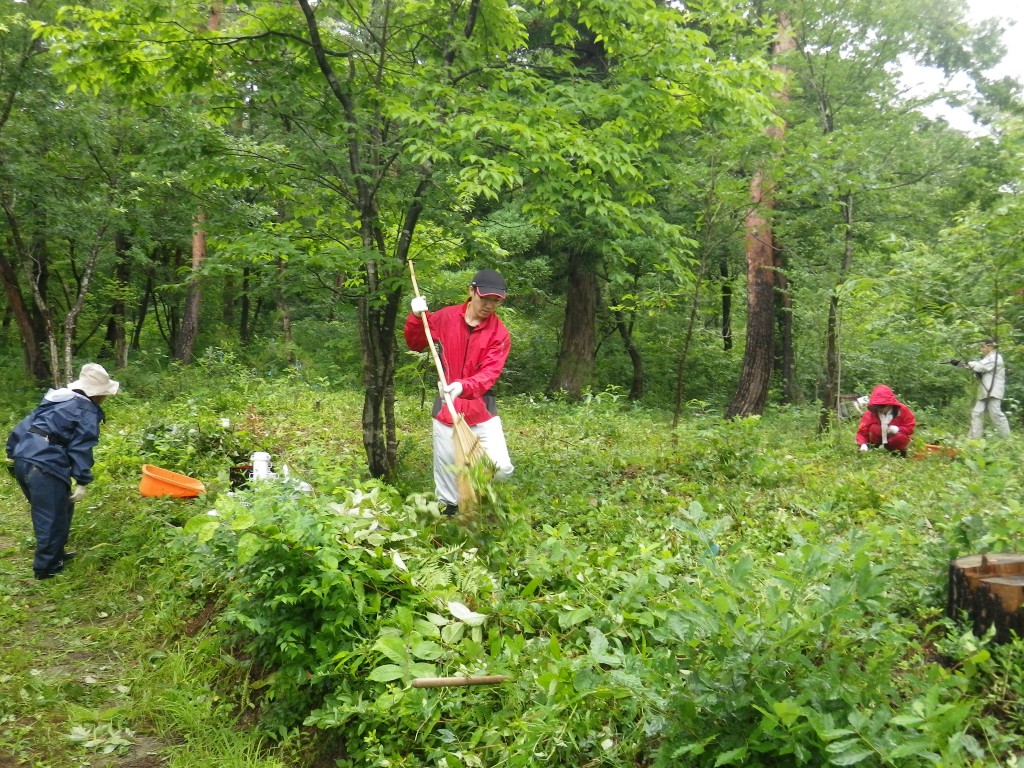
489,283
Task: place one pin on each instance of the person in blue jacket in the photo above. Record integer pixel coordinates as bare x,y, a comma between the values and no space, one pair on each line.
52,449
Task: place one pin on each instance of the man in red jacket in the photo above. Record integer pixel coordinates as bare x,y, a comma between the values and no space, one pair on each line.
886,422
474,345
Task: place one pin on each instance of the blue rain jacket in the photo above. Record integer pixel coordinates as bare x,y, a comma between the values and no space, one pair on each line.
59,435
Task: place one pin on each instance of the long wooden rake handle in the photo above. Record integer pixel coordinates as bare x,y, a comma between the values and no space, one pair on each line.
433,351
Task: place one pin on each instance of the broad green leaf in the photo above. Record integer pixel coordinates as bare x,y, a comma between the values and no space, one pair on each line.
248,545
242,521
465,615
386,673
203,527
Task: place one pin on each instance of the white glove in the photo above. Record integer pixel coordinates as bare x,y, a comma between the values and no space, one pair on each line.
863,446
893,429
77,494
454,389
418,305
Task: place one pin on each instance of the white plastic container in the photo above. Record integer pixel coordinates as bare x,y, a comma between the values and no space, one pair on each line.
261,466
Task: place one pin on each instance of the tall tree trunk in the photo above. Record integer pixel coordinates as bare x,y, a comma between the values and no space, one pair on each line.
284,311
71,318
636,385
759,351
140,315
185,347
723,268
245,309
185,344
691,323
577,352
787,357
830,399
624,324
228,302
25,314
37,273
116,337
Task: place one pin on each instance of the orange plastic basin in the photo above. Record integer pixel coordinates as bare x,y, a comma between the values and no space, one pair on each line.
162,482
935,450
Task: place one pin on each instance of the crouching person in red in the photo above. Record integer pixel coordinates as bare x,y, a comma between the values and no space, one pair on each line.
887,422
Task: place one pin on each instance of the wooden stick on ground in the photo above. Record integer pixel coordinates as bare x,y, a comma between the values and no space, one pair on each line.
451,682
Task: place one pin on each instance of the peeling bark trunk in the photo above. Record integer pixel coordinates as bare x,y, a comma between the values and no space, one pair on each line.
759,351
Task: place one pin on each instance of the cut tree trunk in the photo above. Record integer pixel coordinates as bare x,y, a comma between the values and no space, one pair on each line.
988,590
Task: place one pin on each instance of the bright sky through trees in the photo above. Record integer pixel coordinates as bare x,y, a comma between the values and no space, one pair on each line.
923,80
1013,64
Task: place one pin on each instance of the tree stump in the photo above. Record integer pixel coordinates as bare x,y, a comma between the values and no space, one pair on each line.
989,589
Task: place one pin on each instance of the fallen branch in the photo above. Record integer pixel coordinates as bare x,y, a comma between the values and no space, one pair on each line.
450,682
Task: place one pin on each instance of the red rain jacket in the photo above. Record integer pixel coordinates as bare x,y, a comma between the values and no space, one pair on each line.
870,429
474,356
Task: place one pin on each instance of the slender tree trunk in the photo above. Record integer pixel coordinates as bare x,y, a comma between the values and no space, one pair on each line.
723,268
691,323
229,300
284,311
116,337
185,345
140,315
244,310
636,386
71,318
185,348
787,357
25,315
577,352
624,324
830,401
37,273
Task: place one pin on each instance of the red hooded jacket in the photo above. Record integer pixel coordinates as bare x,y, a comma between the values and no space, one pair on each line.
473,355
870,429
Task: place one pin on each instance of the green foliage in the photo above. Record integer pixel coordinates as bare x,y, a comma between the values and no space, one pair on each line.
730,592
330,596
767,649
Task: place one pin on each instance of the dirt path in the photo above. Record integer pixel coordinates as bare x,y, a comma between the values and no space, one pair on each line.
68,656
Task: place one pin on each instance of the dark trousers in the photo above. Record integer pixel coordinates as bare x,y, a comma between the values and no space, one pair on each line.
51,514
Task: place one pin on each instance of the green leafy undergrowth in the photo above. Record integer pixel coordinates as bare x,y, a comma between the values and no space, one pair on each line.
721,593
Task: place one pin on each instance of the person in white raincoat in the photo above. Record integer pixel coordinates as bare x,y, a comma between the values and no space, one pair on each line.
991,373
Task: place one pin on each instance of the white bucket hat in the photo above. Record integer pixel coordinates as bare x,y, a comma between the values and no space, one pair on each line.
95,381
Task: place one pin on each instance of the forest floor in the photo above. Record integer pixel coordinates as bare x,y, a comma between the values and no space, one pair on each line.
68,659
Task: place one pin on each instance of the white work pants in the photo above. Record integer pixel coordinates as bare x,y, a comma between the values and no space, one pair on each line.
992,406
492,440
